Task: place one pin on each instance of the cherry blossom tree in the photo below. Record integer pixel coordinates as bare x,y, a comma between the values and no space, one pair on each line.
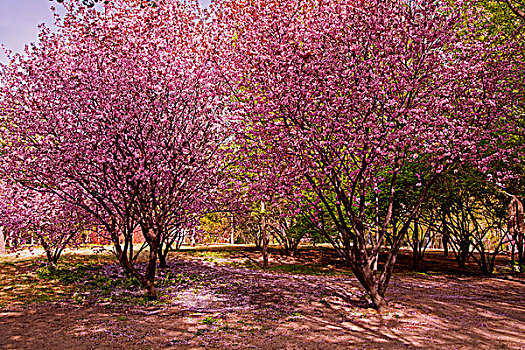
117,114
344,98
92,3
26,214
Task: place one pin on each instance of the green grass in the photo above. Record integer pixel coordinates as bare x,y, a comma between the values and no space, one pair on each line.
209,320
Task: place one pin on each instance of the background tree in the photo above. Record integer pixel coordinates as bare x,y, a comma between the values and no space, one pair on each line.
26,214
473,212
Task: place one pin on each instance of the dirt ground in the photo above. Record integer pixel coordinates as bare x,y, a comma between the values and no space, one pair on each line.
211,300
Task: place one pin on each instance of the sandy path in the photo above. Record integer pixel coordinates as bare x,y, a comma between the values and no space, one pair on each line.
234,308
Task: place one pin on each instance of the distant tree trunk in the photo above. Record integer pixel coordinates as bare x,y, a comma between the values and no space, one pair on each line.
445,239
193,241
516,227
416,244
264,237
232,236
164,247
2,241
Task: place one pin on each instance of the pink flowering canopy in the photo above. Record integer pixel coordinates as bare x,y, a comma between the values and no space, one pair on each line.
342,99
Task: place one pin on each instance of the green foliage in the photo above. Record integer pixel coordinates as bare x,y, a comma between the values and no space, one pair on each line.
502,18
215,227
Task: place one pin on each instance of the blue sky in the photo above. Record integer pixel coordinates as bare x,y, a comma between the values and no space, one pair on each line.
19,20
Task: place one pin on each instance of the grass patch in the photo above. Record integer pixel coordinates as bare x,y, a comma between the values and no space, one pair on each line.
77,278
209,320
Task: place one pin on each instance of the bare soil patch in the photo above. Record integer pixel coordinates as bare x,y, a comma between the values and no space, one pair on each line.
212,300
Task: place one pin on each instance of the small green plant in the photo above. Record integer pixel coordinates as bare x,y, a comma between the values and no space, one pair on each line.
131,282
78,298
225,328
209,320
139,301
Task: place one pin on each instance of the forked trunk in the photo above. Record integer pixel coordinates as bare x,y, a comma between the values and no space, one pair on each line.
366,277
147,279
379,301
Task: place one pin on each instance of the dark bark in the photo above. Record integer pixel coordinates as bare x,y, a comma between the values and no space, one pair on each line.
264,239
162,260
365,276
150,273
445,241
146,279
153,237
415,245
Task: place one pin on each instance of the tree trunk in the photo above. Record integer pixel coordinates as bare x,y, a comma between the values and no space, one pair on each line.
232,235
162,258
444,236
149,276
521,257
2,241
516,226
445,243
366,278
379,302
264,238
415,244
415,259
